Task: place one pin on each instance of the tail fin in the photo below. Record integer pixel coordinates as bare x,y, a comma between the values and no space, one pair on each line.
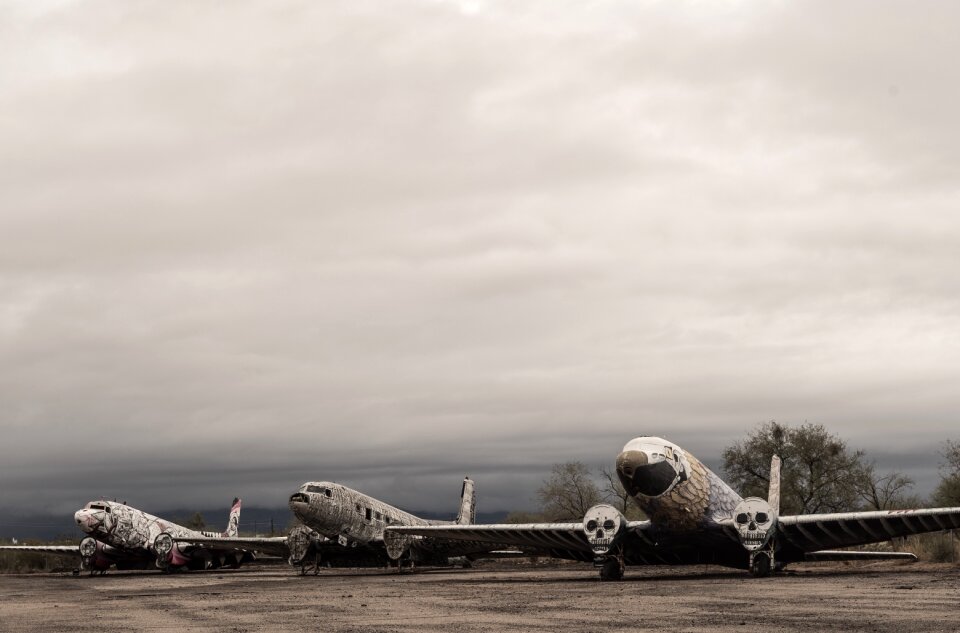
773,494
468,503
234,524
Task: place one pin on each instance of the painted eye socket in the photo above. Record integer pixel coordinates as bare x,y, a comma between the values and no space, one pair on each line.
743,518
608,524
591,525
762,517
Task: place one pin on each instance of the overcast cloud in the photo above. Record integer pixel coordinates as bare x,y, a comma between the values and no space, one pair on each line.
247,244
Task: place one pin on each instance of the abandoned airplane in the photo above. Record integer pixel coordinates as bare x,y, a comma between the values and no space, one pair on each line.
128,538
696,518
345,526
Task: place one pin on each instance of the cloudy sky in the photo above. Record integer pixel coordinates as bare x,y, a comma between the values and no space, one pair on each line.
248,244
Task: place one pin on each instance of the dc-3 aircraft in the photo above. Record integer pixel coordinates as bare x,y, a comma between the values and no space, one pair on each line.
128,538
696,518
343,525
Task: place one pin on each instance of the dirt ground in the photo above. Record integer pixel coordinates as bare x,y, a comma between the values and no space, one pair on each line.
495,597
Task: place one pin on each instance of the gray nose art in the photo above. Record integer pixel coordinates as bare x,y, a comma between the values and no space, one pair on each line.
638,476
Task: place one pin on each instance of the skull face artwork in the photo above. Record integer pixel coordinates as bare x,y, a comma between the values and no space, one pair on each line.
602,524
754,520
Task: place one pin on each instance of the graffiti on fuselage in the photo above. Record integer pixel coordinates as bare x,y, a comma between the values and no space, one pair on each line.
125,527
342,514
697,498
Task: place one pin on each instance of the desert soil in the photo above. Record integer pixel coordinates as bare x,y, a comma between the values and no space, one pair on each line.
502,597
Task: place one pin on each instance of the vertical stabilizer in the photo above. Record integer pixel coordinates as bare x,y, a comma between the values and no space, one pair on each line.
773,495
233,525
468,503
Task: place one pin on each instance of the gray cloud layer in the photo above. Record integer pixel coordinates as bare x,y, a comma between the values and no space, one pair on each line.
243,245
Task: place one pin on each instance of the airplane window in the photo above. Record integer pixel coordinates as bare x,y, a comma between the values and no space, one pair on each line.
328,492
387,519
379,517
369,514
359,511
743,518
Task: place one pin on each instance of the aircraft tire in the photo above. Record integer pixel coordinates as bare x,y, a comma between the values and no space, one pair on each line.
611,570
760,567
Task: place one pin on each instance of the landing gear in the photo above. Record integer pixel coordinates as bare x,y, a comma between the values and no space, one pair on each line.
612,569
306,567
760,564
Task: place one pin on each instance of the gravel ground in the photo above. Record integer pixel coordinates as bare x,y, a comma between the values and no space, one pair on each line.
496,597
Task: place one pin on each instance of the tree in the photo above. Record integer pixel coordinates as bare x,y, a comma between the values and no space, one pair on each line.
568,493
195,522
947,492
819,473
887,492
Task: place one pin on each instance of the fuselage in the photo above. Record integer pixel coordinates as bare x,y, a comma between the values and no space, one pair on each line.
126,527
129,532
674,489
341,513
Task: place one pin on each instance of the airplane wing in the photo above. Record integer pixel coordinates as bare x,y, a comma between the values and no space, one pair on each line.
66,550
540,536
273,545
810,532
837,555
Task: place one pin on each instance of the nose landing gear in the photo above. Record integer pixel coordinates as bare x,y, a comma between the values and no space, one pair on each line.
761,563
612,569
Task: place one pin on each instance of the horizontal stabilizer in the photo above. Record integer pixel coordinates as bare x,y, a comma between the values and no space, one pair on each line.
834,555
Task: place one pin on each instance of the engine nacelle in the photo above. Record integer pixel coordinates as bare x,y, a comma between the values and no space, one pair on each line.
604,526
93,555
302,542
163,548
755,521
397,544
169,553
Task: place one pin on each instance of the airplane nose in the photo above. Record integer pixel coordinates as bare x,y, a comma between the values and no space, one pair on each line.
639,476
299,502
85,520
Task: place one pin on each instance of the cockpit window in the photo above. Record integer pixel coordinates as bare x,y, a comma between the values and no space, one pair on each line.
97,506
319,489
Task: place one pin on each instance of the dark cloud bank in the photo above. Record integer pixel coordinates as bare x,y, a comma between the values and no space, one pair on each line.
247,245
